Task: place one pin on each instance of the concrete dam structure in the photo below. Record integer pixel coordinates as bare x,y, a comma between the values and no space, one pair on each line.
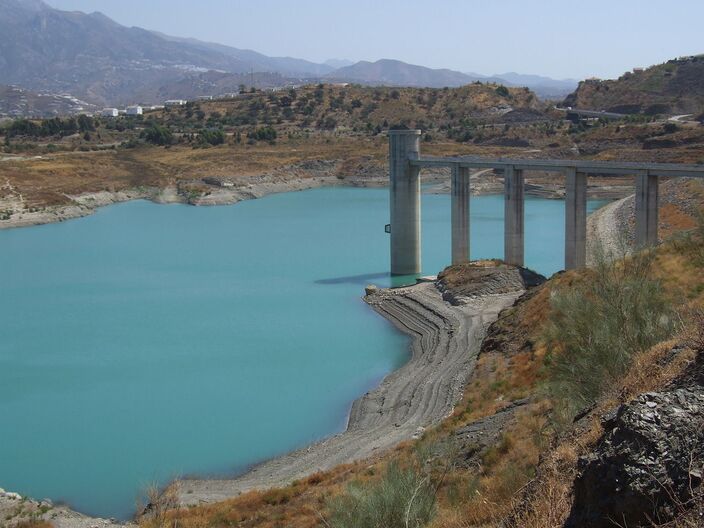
406,162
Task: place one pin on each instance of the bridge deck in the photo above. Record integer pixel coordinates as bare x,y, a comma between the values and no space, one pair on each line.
555,165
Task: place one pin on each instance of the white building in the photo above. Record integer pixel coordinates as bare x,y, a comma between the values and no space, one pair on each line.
110,112
204,98
175,102
134,110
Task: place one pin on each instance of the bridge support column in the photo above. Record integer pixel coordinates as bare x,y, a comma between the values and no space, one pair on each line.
513,216
459,190
646,210
404,186
575,219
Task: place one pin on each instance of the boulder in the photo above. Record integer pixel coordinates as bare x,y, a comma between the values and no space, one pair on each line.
649,460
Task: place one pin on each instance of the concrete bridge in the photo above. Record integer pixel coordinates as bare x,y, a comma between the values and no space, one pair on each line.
405,164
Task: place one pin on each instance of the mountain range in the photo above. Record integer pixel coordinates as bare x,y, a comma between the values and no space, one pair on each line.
100,61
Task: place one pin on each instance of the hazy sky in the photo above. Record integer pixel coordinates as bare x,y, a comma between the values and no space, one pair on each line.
566,38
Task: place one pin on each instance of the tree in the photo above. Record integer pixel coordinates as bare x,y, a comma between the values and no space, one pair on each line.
263,134
85,123
211,137
502,91
158,135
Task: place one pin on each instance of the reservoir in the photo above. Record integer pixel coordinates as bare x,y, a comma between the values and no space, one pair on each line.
148,342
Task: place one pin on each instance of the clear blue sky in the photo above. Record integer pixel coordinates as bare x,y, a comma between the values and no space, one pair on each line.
565,38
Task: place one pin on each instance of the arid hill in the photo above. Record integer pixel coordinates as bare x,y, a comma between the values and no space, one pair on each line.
675,87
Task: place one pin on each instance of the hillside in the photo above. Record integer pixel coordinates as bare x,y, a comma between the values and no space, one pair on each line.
18,102
396,73
544,87
94,58
364,109
675,87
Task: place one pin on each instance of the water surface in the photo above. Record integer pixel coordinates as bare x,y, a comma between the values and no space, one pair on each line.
151,341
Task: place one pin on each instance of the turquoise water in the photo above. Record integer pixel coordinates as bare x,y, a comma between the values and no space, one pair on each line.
149,341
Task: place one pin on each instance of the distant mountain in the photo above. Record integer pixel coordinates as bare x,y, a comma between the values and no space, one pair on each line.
338,63
389,72
396,73
257,61
96,59
675,87
545,87
102,62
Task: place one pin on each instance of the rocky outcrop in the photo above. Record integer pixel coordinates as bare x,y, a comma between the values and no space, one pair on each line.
461,282
649,462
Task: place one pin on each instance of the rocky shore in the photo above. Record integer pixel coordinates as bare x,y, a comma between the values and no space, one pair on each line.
15,211
15,509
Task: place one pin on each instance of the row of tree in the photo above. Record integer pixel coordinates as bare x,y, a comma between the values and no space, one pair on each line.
50,127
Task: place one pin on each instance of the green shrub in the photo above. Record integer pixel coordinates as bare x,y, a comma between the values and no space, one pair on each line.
403,498
158,135
263,134
599,325
211,137
502,91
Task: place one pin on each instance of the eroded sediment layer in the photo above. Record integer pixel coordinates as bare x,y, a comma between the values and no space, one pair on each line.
445,344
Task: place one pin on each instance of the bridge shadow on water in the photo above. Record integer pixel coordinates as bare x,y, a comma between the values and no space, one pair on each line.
363,279
385,279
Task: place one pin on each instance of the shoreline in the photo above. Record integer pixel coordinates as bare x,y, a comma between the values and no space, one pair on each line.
253,187
419,394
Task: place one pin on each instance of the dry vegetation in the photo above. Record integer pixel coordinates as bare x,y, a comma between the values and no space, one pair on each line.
261,132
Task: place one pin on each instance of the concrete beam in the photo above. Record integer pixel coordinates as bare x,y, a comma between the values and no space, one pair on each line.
575,219
513,216
459,190
404,190
587,166
646,210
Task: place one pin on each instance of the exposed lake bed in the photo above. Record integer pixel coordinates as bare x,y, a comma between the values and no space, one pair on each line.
150,324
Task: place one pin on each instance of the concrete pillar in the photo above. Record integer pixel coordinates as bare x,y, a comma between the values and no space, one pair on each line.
404,185
513,216
575,219
459,191
646,210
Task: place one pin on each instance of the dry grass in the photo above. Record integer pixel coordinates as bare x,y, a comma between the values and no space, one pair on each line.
548,500
298,505
36,523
